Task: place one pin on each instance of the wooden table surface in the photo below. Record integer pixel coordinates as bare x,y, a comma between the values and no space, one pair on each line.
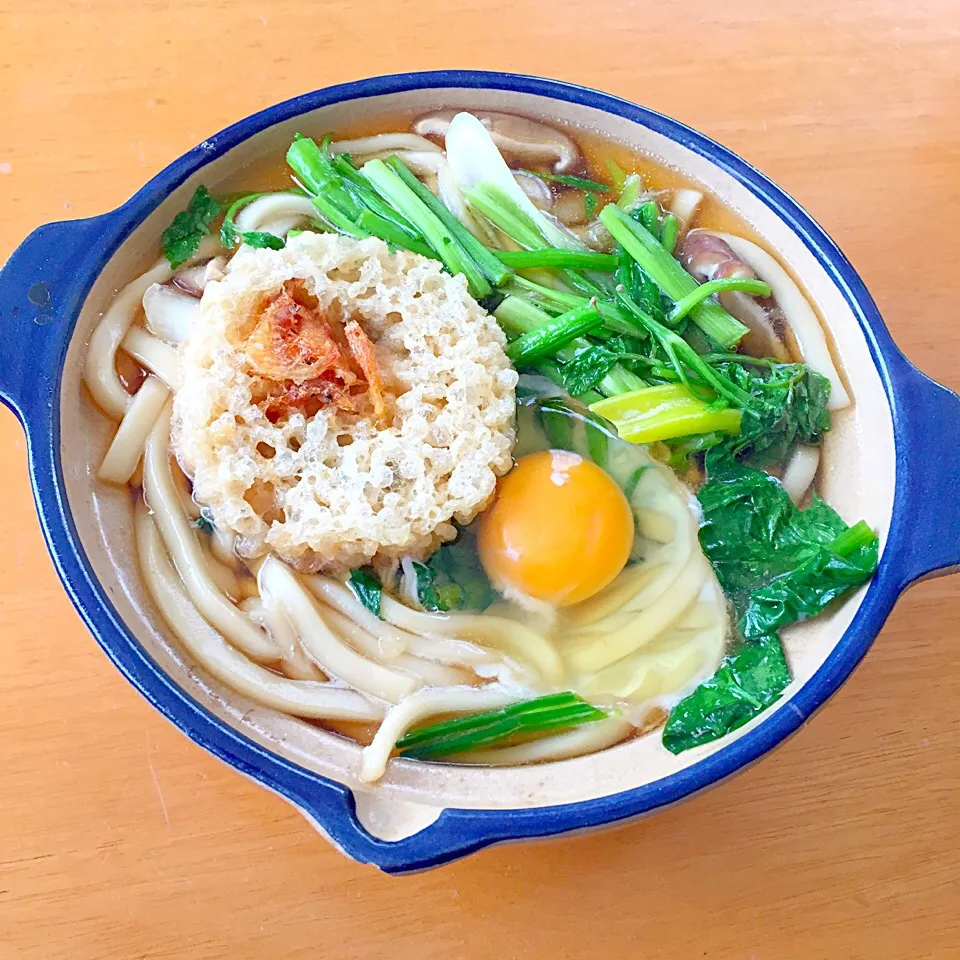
119,838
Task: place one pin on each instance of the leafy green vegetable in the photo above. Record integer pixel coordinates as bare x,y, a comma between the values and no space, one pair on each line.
669,230
367,588
777,564
746,683
527,718
826,574
393,188
458,580
581,183
630,191
682,307
649,215
617,175
485,260
641,288
644,247
261,240
181,240
432,596
204,524
683,357
664,412
587,369
792,409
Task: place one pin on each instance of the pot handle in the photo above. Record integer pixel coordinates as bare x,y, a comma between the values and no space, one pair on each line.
41,291
926,509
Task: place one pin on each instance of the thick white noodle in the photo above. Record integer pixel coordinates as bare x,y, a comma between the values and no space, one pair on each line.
224,576
278,584
190,507
225,663
99,372
508,636
222,546
295,663
391,642
126,448
274,207
643,627
673,664
625,589
797,311
800,471
431,673
281,226
588,738
181,540
154,355
426,703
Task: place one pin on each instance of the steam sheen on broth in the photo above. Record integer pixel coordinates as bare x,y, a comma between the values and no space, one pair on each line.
476,439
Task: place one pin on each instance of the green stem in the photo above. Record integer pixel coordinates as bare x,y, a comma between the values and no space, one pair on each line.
393,189
391,233
577,259
492,268
614,318
670,276
685,304
557,333
683,356
669,230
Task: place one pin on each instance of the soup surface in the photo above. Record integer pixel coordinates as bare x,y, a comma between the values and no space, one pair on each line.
479,440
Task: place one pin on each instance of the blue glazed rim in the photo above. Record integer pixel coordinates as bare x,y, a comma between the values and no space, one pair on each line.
46,281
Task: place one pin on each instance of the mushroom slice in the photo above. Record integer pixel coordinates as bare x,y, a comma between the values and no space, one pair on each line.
519,138
383,142
193,280
536,190
170,313
422,156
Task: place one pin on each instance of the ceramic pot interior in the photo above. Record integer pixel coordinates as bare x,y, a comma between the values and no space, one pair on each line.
858,479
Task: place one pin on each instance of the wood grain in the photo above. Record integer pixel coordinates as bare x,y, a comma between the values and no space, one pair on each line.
121,839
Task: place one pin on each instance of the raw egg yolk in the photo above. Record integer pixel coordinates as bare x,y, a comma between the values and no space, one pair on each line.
560,529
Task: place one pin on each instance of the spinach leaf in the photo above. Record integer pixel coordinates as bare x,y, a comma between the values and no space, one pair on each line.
229,234
204,524
435,596
181,240
587,369
793,409
367,587
269,241
746,683
825,574
777,564
458,580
